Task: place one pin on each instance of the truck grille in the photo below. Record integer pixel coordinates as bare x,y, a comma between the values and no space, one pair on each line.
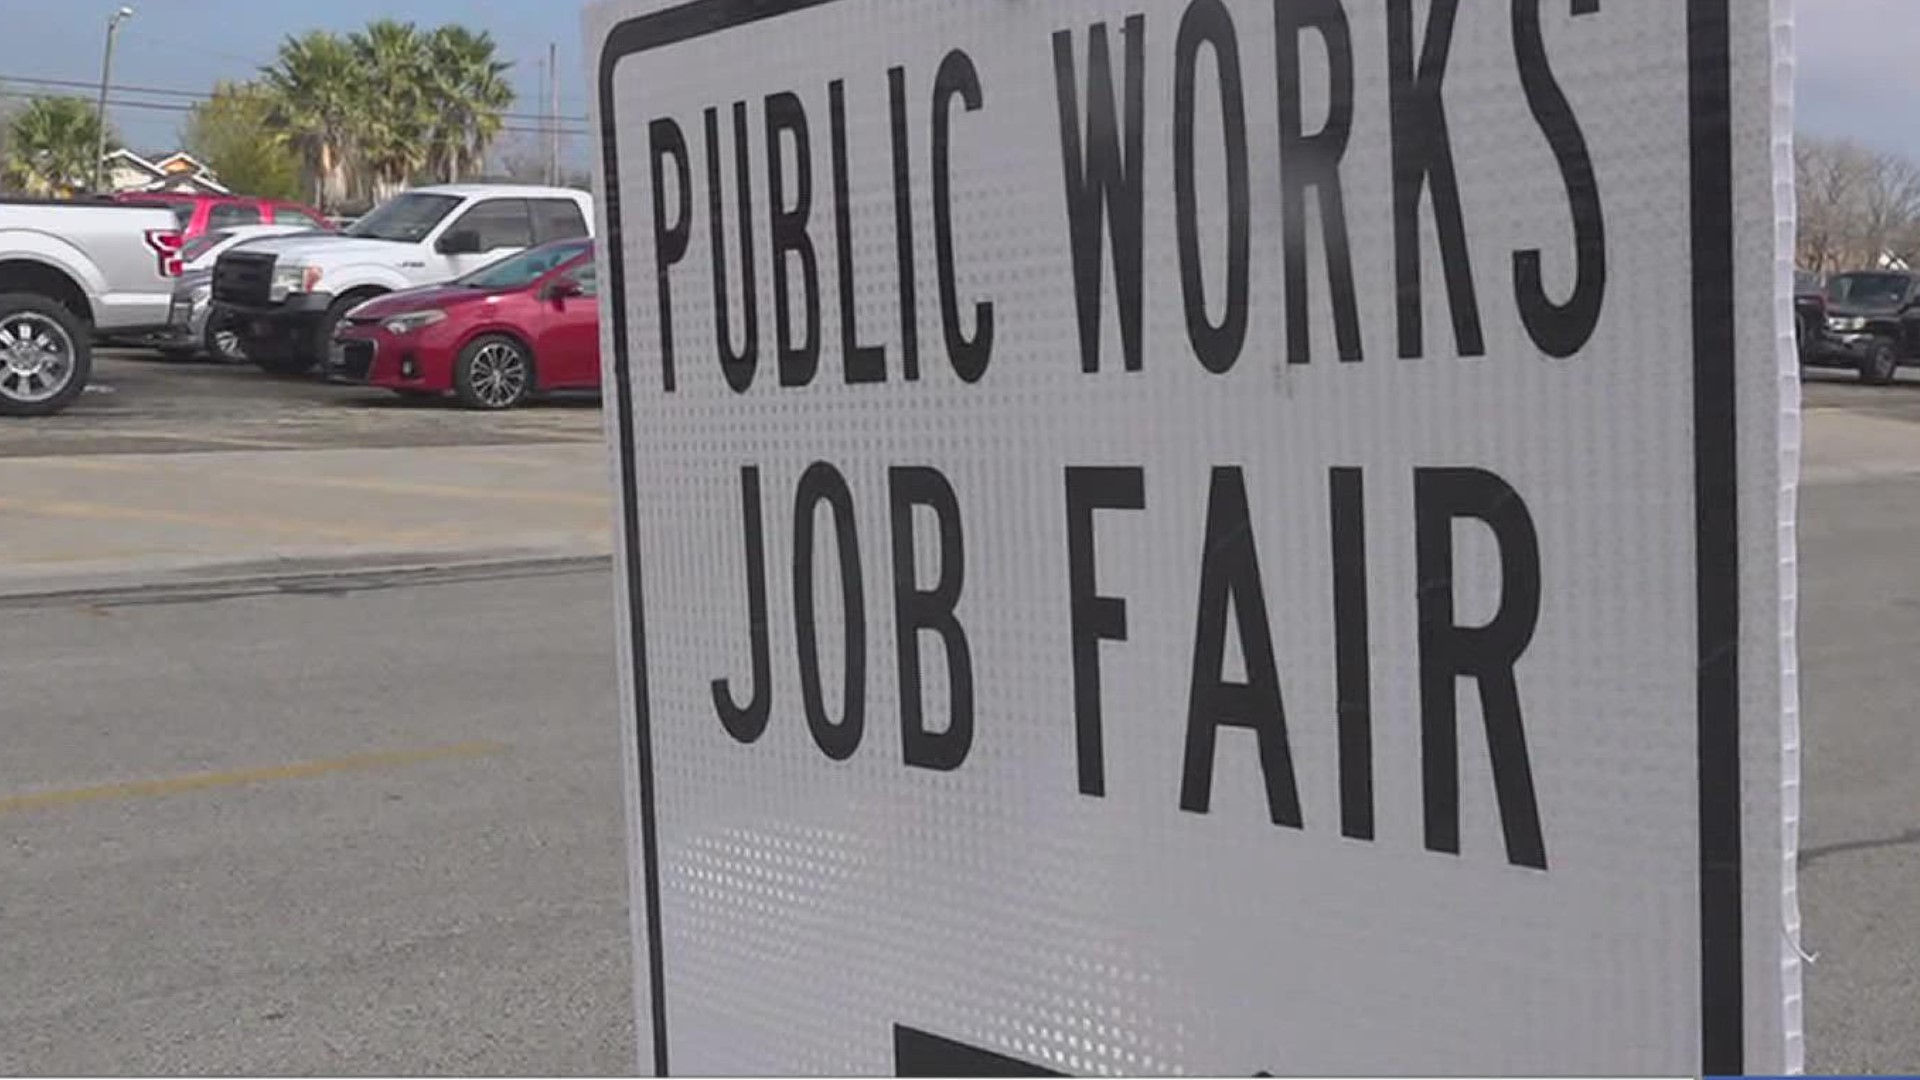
245,278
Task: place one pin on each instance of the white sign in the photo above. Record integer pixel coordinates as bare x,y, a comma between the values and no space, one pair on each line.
1224,536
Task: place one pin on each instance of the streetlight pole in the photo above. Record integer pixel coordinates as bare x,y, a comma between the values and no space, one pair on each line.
106,76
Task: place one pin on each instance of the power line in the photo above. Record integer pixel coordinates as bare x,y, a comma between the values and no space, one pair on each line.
202,95
112,103
169,107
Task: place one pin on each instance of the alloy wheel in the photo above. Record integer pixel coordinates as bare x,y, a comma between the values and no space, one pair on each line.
226,345
499,375
36,357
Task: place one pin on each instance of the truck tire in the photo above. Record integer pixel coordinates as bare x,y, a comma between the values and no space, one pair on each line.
1881,365
223,340
46,355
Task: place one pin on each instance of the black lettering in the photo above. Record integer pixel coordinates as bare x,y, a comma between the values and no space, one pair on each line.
903,223
1352,678
1208,23
1313,161
785,114
1230,577
1423,161
738,367
864,363
666,140
916,610
1487,654
822,483
747,722
969,357
1094,618
1562,329
1103,181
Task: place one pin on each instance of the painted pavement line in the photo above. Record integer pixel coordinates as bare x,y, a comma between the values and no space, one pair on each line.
177,785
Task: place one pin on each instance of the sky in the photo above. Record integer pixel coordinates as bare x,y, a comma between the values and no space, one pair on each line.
1855,73
1854,57
189,44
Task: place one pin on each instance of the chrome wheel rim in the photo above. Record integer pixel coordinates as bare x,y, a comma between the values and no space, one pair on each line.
36,357
226,344
499,374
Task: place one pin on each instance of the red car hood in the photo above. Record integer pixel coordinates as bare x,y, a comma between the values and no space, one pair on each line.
429,298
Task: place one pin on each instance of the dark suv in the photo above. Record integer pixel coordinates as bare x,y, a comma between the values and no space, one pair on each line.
1871,324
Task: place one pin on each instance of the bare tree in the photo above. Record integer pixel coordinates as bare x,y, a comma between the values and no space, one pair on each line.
1829,174
1858,207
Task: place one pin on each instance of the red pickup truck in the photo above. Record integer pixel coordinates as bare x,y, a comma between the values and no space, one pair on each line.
200,214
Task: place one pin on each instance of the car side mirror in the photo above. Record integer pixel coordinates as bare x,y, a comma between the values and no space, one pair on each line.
460,242
563,289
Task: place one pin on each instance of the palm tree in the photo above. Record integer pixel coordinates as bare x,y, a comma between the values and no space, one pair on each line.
470,91
396,110
314,85
50,146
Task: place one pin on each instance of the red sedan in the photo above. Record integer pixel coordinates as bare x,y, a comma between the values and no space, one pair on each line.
528,323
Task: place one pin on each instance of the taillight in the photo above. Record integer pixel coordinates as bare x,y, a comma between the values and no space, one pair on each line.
166,245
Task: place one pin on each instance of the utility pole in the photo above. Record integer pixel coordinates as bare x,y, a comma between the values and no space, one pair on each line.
106,76
553,114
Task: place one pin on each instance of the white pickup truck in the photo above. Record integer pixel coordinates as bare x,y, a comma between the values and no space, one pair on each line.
286,295
68,270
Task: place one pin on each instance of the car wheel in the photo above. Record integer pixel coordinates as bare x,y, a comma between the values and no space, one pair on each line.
494,372
223,342
1881,365
46,356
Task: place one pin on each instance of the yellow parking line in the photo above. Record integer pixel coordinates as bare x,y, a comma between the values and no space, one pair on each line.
455,491
176,785
386,487
104,512
222,440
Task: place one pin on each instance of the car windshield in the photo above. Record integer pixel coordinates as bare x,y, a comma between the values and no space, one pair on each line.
1867,288
407,219
197,247
519,271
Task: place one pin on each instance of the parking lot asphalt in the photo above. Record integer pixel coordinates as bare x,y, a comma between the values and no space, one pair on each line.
175,469
345,823
140,403
1840,390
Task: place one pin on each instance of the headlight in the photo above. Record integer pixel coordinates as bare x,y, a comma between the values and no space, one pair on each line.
411,321
293,279
1845,324
201,293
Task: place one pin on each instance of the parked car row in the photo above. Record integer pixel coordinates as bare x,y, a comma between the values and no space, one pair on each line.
483,291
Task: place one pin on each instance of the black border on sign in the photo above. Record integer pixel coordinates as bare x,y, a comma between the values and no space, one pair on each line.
1716,496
